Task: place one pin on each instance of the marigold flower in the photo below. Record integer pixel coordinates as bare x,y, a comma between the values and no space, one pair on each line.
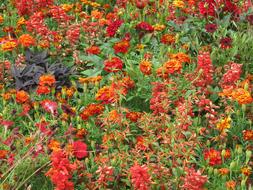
242,96
47,80
213,156
3,154
22,97
248,135
133,116
182,57
246,170
230,185
159,27
145,67
168,39
21,21
54,145
223,171
113,27
172,66
114,64
26,40
96,14
121,47
224,124
1,19
67,7
95,50
81,133
43,90
91,110
144,27
106,95
9,45
178,4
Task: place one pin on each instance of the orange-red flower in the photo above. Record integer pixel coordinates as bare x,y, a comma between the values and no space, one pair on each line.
246,170
133,116
91,110
248,135
121,47
168,39
106,95
182,57
26,40
213,156
114,64
43,90
54,145
173,66
47,80
3,154
145,67
22,97
95,50
1,19
230,185
242,96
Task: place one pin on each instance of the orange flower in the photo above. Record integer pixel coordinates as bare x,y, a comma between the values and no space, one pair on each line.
145,67
133,116
67,7
95,50
173,66
21,21
223,171
248,135
242,96
54,145
114,116
6,96
47,80
81,133
178,4
1,19
168,39
9,45
121,47
230,185
224,124
182,57
3,154
159,27
22,97
106,94
96,14
28,140
44,44
26,40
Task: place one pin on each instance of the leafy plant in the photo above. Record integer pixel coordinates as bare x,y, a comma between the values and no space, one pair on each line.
37,64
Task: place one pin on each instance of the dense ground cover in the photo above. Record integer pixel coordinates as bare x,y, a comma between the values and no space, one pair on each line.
145,94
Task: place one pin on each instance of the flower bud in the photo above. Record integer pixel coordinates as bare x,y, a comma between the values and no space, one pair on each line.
232,165
248,155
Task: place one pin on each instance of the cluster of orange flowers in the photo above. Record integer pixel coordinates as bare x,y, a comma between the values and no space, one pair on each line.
241,95
45,83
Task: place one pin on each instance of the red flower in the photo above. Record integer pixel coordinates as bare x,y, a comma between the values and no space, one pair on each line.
226,43
194,180
213,156
80,149
43,90
93,50
140,177
121,47
207,8
113,27
90,110
113,65
73,34
133,116
144,27
211,28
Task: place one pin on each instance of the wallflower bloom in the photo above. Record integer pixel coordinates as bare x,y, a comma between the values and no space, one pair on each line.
194,180
140,177
22,97
213,156
145,67
80,149
114,64
26,40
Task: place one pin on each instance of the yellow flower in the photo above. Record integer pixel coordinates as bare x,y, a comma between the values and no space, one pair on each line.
178,4
159,27
140,46
224,124
21,21
9,45
67,7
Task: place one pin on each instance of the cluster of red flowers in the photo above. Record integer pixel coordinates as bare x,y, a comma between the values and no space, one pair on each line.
27,7
91,110
73,34
140,177
159,103
194,180
207,8
59,14
113,27
95,50
205,69
232,75
114,64
61,171
36,23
